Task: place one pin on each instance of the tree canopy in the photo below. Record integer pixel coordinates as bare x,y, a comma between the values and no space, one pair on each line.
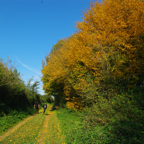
106,51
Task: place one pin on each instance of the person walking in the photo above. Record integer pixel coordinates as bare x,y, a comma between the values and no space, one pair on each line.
44,107
36,106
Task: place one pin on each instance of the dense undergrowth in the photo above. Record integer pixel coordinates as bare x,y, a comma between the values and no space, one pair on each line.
119,120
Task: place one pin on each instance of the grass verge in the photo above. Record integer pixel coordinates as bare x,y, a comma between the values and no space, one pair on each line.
13,118
71,126
79,127
28,132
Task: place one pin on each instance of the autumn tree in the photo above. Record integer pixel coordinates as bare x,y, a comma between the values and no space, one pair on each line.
106,51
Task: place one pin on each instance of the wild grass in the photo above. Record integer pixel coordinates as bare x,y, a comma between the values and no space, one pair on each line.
71,126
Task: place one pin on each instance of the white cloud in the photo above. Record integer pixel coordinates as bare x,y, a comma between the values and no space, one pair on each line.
28,67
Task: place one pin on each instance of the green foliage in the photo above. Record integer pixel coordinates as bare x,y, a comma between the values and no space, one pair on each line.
119,119
16,98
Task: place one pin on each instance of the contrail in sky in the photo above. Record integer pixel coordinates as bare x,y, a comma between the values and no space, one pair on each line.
28,67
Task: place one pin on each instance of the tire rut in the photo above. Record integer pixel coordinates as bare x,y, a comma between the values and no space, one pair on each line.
10,131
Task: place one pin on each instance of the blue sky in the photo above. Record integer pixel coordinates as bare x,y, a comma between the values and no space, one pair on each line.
30,28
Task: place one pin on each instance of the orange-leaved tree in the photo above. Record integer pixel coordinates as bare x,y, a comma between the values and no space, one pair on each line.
107,49
114,31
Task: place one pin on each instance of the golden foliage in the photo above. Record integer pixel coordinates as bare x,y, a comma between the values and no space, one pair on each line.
107,45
